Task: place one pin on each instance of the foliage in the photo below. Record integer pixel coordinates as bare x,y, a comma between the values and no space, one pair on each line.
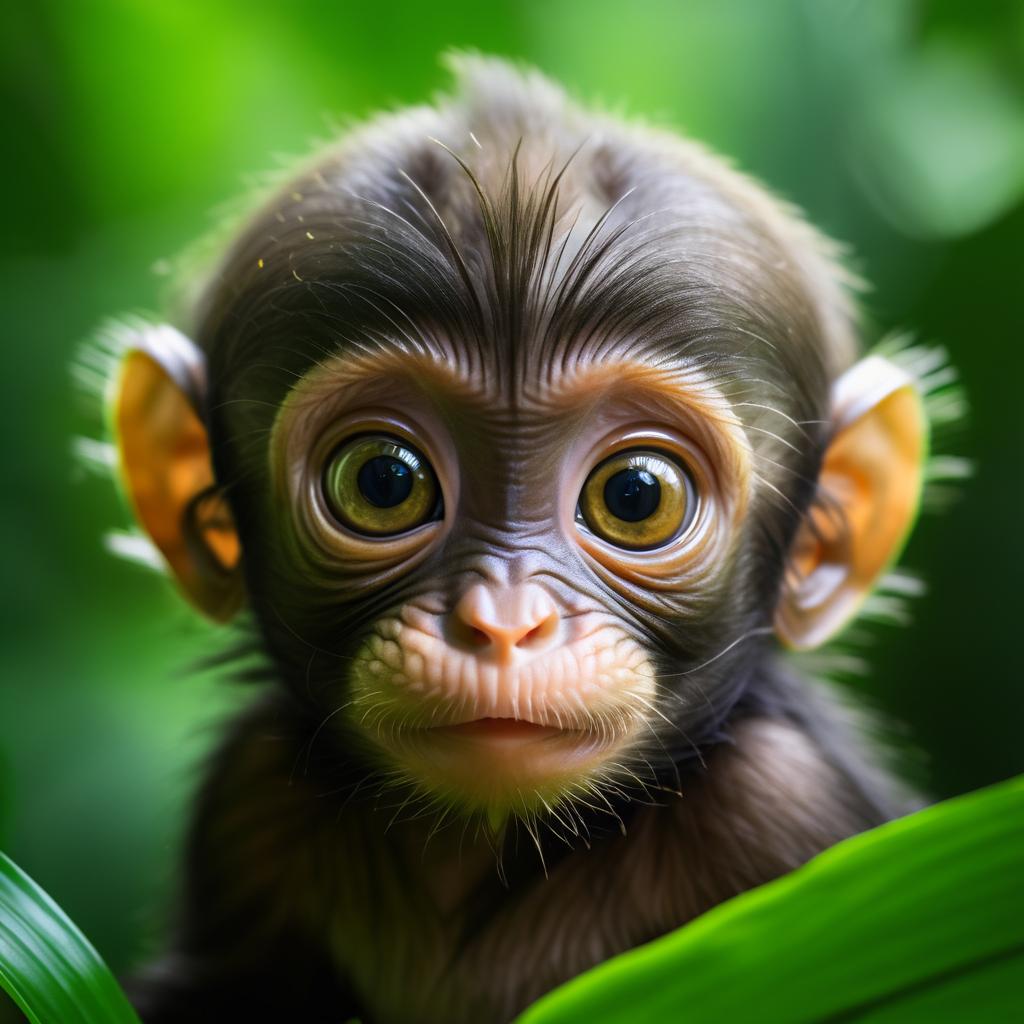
47,965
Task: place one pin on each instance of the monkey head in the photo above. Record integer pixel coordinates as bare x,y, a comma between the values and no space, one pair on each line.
521,434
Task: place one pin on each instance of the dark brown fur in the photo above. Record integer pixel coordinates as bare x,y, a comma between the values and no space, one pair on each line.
310,892
301,892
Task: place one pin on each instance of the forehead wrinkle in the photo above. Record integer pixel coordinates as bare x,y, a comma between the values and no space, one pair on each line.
442,373
584,385
546,401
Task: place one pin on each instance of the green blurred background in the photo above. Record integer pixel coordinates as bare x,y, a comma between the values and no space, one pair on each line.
899,126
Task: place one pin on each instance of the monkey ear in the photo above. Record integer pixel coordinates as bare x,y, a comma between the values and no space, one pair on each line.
867,500
165,463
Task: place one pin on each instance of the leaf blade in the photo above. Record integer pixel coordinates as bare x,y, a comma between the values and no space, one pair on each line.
47,966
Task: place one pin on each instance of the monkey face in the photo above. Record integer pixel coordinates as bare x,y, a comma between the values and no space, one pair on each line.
525,540
505,421
531,480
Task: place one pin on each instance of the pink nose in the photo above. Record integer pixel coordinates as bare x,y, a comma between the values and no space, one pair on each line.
500,621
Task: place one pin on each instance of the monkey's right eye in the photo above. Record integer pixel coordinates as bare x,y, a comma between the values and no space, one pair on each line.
379,486
638,500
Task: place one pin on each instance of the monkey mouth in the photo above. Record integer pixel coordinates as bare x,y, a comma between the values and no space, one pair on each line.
487,736
493,760
502,730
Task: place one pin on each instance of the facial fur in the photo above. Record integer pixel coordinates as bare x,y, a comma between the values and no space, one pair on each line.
519,305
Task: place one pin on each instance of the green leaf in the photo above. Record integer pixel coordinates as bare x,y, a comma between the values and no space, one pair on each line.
47,965
919,920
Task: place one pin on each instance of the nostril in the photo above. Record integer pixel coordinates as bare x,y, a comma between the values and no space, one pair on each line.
540,633
466,635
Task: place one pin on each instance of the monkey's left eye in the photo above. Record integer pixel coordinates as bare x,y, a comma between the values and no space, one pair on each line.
638,500
379,486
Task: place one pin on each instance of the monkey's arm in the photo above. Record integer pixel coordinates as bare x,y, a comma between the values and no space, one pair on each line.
246,945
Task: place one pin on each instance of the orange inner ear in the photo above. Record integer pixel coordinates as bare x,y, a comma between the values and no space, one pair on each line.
874,469
165,460
869,489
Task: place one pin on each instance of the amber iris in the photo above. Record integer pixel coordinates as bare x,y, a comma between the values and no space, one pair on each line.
379,486
638,500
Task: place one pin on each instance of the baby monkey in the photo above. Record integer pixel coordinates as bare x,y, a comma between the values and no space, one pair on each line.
523,438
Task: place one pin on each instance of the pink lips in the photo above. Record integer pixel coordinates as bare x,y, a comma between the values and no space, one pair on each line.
499,728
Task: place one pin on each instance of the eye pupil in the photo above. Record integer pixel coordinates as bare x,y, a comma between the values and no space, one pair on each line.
385,481
632,495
